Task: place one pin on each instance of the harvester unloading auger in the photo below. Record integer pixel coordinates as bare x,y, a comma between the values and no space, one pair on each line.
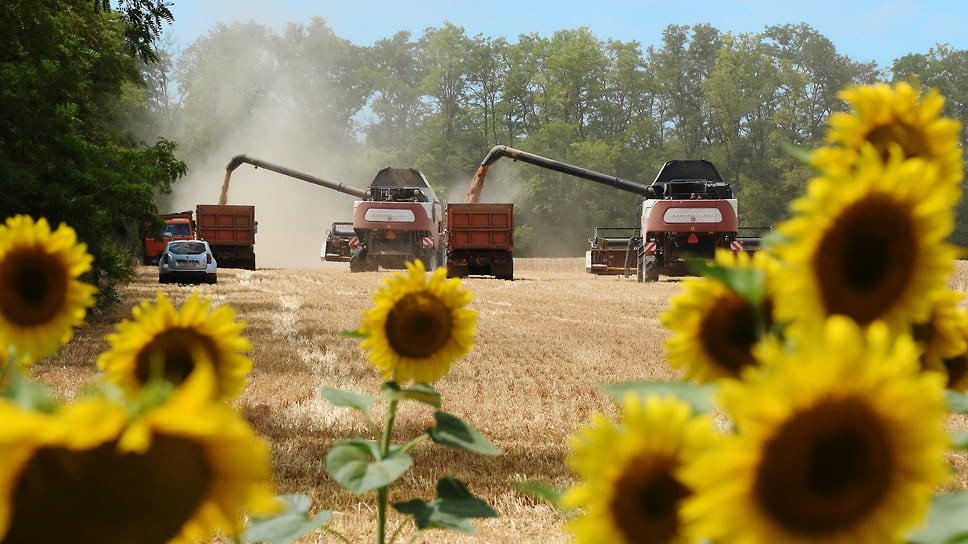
397,219
687,212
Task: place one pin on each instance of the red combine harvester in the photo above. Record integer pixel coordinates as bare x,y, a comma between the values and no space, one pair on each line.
397,219
688,211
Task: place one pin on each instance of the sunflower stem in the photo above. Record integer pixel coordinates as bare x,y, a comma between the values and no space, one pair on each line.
414,443
383,492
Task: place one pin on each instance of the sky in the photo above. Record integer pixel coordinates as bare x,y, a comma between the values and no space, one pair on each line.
864,30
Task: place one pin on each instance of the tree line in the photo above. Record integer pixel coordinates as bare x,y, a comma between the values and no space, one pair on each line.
101,116
439,101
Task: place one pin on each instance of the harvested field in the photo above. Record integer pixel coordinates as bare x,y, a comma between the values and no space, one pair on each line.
545,342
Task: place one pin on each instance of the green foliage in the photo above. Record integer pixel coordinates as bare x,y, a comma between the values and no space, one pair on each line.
453,508
699,397
290,524
63,153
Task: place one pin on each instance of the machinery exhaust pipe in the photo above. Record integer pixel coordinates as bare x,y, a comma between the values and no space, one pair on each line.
499,151
239,159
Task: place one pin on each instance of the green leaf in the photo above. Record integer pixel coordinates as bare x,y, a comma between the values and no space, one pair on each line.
947,522
290,524
451,431
420,392
957,402
542,491
699,397
748,283
453,508
959,441
348,399
800,153
356,464
355,334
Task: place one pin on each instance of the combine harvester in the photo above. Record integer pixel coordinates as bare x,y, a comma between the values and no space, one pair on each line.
397,219
687,212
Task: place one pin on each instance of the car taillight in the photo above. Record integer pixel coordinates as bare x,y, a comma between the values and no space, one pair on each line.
165,259
208,258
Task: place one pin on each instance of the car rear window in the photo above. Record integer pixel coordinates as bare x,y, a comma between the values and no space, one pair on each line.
187,248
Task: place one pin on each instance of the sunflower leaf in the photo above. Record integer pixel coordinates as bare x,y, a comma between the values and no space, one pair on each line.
453,508
354,334
798,152
957,402
959,441
452,431
286,526
946,522
356,464
542,491
420,392
348,399
699,397
745,282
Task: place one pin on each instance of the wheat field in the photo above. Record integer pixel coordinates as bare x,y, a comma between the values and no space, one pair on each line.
546,342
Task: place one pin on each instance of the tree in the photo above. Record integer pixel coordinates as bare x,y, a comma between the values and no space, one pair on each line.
63,154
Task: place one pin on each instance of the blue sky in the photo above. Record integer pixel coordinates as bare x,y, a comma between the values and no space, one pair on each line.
864,30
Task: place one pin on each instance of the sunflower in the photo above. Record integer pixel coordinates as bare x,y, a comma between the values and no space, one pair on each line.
942,335
630,488
840,441
955,367
163,342
176,475
41,299
419,326
887,117
870,245
713,327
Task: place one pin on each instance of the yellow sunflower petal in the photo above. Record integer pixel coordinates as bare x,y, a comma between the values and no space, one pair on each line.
163,342
713,329
41,298
822,450
419,325
870,245
630,489
193,472
887,117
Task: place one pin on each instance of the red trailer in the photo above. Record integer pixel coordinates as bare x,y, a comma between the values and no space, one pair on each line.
479,238
230,232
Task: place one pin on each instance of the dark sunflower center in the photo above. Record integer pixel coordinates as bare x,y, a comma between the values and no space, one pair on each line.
956,367
418,325
33,287
825,469
645,506
912,141
728,331
99,496
864,260
170,355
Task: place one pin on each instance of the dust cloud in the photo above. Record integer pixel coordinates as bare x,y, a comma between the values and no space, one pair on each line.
293,215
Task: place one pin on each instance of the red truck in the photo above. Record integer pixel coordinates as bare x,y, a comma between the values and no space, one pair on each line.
230,232
478,240
178,226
